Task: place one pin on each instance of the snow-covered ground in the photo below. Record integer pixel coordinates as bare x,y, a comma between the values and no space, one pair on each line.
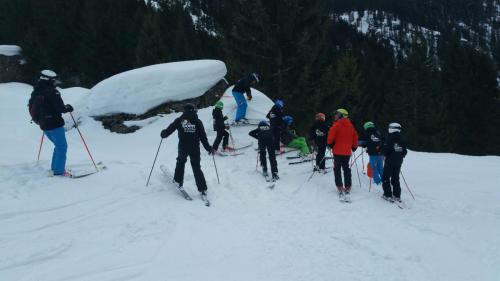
109,226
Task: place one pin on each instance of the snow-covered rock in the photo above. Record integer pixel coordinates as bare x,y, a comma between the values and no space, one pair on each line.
10,50
136,91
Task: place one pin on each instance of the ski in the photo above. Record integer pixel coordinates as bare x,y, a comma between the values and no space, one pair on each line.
399,204
170,178
81,174
222,154
242,147
294,157
300,162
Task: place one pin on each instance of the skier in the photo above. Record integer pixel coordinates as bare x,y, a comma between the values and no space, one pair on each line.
275,115
243,86
318,134
220,127
373,141
343,139
394,150
291,139
265,136
46,108
190,131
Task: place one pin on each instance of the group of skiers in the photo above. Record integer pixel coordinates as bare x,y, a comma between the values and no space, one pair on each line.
386,155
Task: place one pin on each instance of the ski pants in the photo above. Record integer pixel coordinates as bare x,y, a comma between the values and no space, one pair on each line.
390,177
342,162
377,164
194,157
301,144
320,156
276,135
272,156
58,137
222,135
242,104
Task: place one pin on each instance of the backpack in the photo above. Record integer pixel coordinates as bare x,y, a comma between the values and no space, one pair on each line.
36,107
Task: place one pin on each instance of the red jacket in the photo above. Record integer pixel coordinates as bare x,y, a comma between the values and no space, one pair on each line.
343,136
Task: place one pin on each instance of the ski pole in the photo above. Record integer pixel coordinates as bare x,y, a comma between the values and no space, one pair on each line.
215,166
40,149
407,187
84,143
350,166
154,162
314,171
370,188
362,161
357,172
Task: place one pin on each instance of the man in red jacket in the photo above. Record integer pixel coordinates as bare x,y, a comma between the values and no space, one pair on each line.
343,139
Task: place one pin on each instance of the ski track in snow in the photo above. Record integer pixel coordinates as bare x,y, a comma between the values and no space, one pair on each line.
109,226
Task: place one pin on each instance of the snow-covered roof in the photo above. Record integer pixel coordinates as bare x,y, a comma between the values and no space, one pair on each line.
136,91
10,50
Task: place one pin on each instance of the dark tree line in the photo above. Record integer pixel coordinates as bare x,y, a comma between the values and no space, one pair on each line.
304,56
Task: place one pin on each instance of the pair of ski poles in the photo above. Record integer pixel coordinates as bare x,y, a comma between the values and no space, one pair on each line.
81,136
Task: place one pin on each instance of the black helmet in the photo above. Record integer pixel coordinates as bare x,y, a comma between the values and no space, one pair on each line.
190,108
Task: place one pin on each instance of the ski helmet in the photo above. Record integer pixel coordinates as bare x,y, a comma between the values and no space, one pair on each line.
263,123
190,108
288,119
368,124
394,127
320,116
48,75
255,77
343,112
219,104
279,103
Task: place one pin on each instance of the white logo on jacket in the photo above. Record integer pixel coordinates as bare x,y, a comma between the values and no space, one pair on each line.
187,127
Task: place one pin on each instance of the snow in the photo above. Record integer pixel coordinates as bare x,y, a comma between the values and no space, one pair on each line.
109,226
10,50
136,91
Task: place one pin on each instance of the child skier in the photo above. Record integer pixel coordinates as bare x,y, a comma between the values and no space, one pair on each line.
318,134
275,115
265,137
220,127
291,139
243,86
344,139
394,150
373,141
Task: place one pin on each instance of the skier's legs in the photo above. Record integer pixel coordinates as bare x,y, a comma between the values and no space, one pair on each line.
179,167
58,137
218,139
301,144
262,157
272,158
374,162
380,166
276,135
347,172
225,139
386,178
337,166
195,159
242,105
396,187
320,157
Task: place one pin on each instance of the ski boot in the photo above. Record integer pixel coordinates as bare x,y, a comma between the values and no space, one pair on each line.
275,177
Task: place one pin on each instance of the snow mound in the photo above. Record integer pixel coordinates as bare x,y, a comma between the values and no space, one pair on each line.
10,50
258,107
136,91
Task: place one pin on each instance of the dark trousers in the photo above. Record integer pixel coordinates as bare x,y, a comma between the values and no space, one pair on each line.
320,157
342,162
272,157
392,168
194,157
222,135
276,136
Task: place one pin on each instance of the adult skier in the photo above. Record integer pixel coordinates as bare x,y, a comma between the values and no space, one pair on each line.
243,87
394,150
343,139
190,131
265,138
372,140
291,139
220,127
46,108
317,135
275,116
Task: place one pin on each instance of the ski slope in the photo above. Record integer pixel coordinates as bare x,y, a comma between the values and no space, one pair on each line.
109,226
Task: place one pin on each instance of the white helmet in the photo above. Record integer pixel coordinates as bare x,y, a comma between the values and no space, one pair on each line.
48,75
394,127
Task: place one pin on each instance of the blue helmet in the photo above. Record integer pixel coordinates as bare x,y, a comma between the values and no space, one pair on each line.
279,103
288,119
263,123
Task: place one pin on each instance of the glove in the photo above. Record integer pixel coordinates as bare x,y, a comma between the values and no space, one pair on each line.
211,151
330,145
249,97
68,108
354,149
164,134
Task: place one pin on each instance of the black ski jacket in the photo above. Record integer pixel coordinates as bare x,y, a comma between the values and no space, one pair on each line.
190,131
373,141
287,135
275,116
319,132
243,86
219,119
394,148
53,105
263,134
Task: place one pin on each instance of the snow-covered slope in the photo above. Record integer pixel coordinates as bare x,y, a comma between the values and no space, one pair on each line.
109,226
136,91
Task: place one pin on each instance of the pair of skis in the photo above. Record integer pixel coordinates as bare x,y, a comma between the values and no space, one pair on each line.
400,204
182,191
80,173
235,151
